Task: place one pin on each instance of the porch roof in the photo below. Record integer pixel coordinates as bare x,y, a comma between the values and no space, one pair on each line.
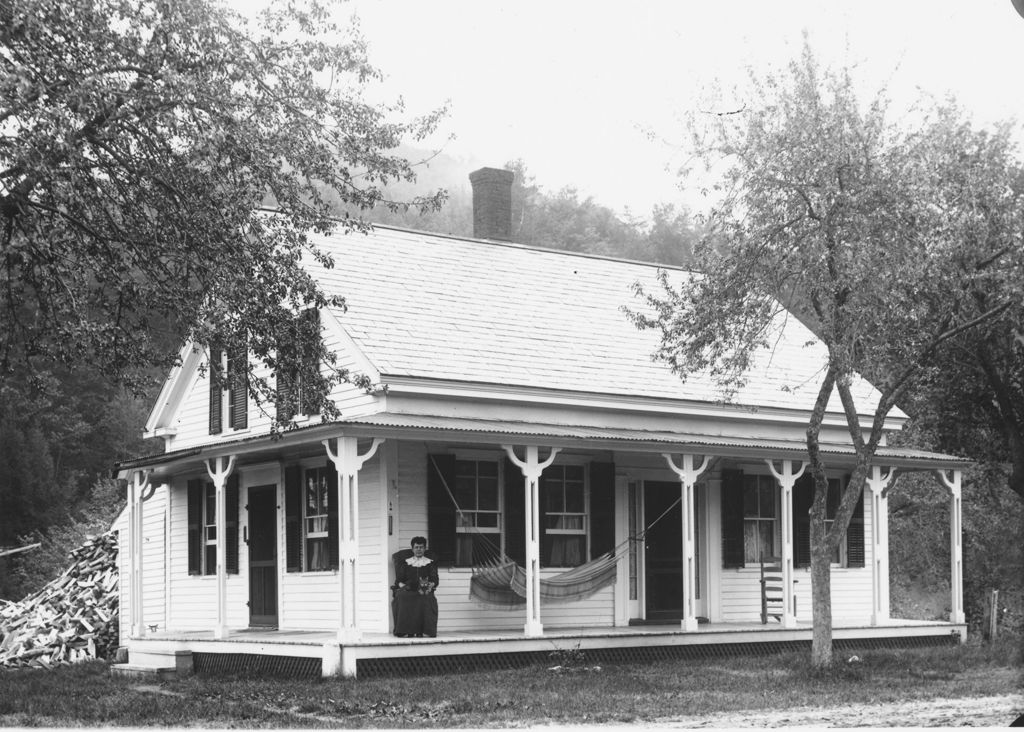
496,432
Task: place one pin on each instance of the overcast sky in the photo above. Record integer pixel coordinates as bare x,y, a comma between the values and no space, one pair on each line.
572,87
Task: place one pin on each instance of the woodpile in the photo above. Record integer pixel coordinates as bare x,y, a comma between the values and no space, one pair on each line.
73,618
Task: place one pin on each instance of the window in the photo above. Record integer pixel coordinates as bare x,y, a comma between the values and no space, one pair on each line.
310,518
564,516
835,494
298,385
229,395
209,529
478,523
760,512
202,526
315,519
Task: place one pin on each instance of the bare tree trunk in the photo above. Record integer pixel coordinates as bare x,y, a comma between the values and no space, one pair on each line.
821,582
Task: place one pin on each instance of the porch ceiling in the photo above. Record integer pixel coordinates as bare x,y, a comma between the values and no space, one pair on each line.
495,432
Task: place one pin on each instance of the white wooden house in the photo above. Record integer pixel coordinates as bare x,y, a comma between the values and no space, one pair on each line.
512,384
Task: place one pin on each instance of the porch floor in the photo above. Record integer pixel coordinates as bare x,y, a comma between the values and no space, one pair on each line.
284,636
382,653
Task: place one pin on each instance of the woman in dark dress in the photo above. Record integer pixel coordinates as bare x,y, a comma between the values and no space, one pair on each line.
416,606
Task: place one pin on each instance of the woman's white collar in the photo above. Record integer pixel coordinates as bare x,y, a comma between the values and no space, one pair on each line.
418,561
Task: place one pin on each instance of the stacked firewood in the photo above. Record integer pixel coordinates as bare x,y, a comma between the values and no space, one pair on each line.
72,619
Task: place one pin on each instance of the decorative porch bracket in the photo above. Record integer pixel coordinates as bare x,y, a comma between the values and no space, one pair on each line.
879,485
787,479
688,480
137,495
348,462
956,558
532,469
219,472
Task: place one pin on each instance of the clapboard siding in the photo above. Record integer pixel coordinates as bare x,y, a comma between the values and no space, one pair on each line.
154,564
459,612
372,580
740,589
192,422
154,561
193,599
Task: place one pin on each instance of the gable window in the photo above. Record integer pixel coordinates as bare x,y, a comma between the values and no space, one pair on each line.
311,518
202,526
760,514
229,394
478,521
563,499
298,369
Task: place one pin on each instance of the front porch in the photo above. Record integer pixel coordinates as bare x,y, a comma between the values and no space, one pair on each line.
318,653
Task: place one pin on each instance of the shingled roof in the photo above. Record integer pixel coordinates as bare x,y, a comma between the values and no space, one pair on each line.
465,310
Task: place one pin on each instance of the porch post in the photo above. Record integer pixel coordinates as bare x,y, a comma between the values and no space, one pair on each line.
878,485
136,488
219,475
347,462
956,559
787,479
688,479
532,469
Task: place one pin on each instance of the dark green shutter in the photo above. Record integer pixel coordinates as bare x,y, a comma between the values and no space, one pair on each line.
440,508
231,523
855,535
309,355
216,388
602,508
293,518
732,519
238,392
803,497
515,513
195,527
332,516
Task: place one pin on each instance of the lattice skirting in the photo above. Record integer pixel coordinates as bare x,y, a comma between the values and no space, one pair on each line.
297,667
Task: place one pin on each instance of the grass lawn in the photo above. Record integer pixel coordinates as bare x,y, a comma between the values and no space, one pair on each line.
87,694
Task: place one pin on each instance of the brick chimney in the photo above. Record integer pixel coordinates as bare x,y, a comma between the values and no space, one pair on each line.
492,203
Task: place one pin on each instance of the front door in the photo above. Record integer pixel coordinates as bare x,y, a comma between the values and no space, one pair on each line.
663,555
262,541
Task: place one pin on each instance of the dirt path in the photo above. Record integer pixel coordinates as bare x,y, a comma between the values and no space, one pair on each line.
980,711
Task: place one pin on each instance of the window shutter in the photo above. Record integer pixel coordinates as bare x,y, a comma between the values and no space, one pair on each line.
515,513
216,388
231,523
293,518
732,519
440,509
855,535
332,516
195,527
238,394
602,508
309,353
803,497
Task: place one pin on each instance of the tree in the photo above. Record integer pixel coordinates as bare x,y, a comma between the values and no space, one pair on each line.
161,167
880,237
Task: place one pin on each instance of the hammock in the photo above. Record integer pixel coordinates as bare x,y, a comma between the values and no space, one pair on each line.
499,580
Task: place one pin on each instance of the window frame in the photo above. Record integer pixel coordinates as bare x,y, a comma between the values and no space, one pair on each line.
310,539
208,524
465,528
546,479
773,521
